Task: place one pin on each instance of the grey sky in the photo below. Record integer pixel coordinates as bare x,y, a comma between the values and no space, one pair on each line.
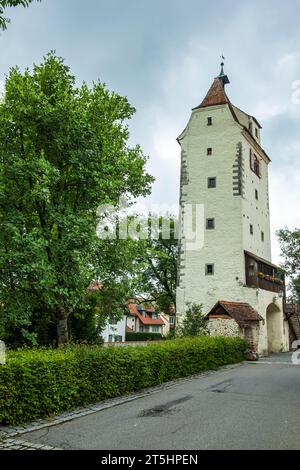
163,55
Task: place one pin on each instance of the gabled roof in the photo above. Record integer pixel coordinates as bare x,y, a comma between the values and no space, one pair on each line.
241,312
147,319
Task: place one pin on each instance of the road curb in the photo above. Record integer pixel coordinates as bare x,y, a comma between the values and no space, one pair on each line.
11,432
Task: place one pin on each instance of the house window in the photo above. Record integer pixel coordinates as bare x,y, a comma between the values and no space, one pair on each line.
251,127
172,320
144,329
209,121
209,269
210,224
154,316
255,164
251,229
110,338
155,329
256,132
119,338
209,151
256,194
211,182
114,321
262,236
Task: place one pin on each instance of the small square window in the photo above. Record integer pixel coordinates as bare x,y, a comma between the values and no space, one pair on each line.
262,236
209,151
256,194
251,229
209,121
210,224
211,182
209,269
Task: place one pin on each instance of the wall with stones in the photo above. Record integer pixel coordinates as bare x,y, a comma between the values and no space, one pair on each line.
224,327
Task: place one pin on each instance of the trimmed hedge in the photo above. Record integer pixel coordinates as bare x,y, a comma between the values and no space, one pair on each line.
143,336
40,383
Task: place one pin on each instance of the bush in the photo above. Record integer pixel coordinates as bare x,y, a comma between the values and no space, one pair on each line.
42,382
143,336
194,322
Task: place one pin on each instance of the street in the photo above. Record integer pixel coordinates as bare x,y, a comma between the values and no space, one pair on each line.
248,406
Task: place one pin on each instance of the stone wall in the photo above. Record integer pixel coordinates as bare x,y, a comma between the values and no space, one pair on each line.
224,327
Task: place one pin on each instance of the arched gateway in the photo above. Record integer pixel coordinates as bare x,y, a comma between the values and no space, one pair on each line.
274,328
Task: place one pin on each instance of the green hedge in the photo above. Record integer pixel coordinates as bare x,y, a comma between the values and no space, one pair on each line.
143,336
40,383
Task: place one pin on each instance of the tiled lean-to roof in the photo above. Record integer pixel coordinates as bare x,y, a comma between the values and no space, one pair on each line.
241,312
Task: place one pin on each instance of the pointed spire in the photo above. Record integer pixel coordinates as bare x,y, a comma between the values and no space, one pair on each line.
216,94
222,76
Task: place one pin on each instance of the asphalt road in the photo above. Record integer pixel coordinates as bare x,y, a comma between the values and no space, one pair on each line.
249,406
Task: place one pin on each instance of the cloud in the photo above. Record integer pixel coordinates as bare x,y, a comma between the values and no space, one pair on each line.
2,88
163,56
284,198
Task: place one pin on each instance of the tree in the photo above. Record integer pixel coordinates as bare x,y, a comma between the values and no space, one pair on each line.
63,151
156,268
194,322
290,249
11,3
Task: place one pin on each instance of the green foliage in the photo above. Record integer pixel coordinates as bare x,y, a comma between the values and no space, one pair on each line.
63,152
156,271
143,336
85,323
290,251
194,322
40,383
11,3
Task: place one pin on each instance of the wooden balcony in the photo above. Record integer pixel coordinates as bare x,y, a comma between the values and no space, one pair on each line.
270,285
263,275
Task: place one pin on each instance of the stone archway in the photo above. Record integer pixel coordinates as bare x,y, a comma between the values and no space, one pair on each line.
274,328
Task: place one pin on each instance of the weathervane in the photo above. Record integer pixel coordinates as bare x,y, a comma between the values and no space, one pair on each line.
222,64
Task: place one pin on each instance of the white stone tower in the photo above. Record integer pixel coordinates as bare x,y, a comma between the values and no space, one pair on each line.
225,169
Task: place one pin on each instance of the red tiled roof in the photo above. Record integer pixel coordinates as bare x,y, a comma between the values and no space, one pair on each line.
239,311
216,95
147,320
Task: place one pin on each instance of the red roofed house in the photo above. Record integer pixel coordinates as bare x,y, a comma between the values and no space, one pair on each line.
143,319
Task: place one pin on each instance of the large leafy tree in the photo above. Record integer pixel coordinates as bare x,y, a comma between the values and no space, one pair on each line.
10,3
290,249
63,151
156,269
